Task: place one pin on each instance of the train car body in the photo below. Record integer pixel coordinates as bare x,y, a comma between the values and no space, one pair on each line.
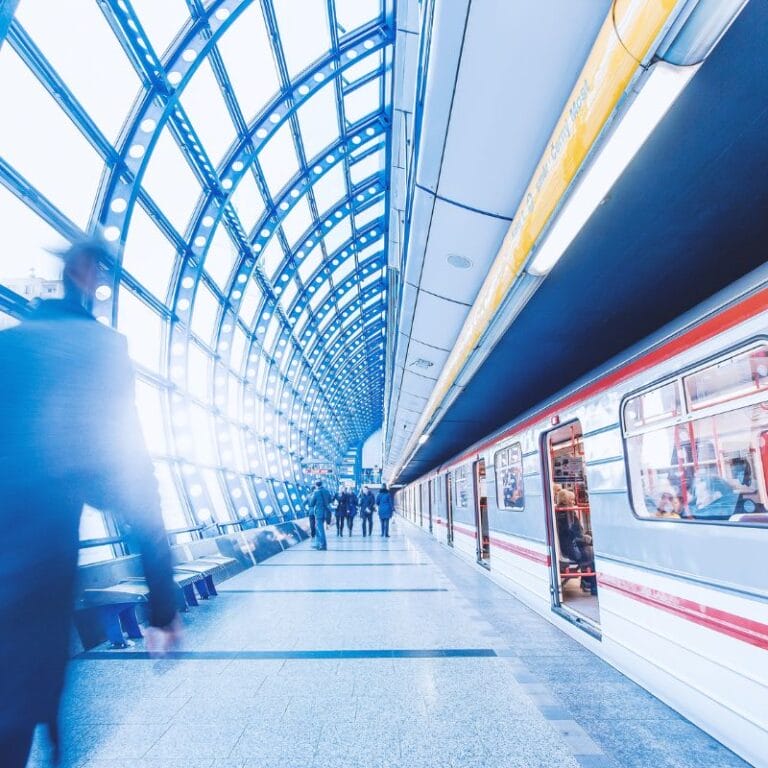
632,511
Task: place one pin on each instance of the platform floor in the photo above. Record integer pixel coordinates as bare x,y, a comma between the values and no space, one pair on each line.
375,653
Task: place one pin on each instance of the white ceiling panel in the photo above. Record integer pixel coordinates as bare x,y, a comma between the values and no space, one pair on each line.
466,234
419,355
437,322
416,385
518,65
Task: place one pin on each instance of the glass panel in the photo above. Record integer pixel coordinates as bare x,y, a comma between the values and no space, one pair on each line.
272,257
343,270
245,48
743,375
198,372
150,408
321,293
297,222
25,266
161,21
375,211
174,515
368,166
234,391
148,255
362,101
106,91
204,104
171,182
239,342
310,265
713,468
142,326
658,405
508,465
248,202
271,334
363,67
304,36
338,236
221,257
330,189
202,436
221,511
288,295
278,159
351,14
93,526
252,296
32,112
318,121
204,313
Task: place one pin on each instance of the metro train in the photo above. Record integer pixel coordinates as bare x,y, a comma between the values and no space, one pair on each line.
631,510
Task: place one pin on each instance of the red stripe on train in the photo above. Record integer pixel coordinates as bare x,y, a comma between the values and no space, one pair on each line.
708,329
528,554
748,631
730,624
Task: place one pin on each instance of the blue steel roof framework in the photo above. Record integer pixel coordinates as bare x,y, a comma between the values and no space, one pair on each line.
313,369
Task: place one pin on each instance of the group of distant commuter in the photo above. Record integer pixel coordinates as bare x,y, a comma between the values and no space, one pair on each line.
344,506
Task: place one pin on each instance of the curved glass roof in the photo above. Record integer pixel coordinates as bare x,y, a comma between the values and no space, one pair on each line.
245,189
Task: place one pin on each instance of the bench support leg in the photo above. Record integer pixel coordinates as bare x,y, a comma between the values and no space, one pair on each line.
110,622
202,589
211,586
189,595
130,625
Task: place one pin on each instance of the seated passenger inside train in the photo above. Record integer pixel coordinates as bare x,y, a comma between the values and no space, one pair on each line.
712,497
575,542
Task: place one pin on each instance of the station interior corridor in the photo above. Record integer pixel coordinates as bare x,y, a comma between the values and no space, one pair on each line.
375,653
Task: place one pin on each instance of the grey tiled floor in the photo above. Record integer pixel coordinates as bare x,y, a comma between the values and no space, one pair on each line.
493,711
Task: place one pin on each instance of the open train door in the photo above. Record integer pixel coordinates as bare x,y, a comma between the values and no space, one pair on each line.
569,525
449,508
481,515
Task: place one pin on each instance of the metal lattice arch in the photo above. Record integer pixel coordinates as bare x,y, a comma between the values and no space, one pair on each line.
250,239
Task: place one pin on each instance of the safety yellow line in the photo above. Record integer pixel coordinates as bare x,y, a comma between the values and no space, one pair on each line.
608,72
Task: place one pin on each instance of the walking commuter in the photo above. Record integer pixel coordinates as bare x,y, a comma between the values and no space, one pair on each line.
312,521
351,508
342,502
71,436
384,503
320,504
367,503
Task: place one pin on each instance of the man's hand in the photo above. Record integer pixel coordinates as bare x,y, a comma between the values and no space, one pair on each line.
161,640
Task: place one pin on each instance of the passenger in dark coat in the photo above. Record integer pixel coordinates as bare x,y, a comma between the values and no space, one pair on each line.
320,505
386,509
367,503
71,436
341,512
351,508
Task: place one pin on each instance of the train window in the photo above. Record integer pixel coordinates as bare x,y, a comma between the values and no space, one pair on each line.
706,467
654,407
508,466
461,487
740,376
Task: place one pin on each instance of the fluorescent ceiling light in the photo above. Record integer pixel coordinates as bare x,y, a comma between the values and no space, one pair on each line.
423,439
663,85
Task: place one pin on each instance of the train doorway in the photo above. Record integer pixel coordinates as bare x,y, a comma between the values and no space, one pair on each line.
431,497
574,581
449,508
481,515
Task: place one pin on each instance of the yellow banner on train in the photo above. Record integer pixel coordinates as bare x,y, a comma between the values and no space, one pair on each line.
622,46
